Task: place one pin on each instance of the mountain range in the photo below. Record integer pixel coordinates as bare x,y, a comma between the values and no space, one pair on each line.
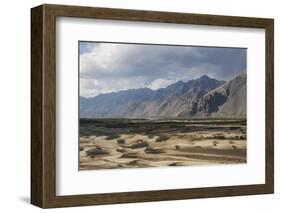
201,97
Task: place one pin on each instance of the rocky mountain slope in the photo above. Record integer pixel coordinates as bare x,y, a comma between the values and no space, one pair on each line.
196,98
228,99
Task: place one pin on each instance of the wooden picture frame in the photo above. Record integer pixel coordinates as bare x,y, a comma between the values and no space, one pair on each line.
43,105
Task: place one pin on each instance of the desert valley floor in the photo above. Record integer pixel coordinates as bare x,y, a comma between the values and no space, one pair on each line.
139,143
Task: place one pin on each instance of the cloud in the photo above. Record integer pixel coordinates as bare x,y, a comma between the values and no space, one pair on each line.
160,83
107,67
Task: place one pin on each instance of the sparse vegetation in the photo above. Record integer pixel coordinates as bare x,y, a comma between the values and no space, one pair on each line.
112,137
120,141
121,150
173,164
153,151
150,136
234,147
144,143
243,137
177,146
139,144
215,143
96,151
129,155
219,136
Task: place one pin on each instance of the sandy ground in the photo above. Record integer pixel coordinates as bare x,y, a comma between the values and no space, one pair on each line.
172,149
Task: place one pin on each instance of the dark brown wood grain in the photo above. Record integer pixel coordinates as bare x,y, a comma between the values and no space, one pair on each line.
269,118
43,105
36,106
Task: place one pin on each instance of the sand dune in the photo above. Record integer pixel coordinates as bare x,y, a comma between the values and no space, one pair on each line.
133,149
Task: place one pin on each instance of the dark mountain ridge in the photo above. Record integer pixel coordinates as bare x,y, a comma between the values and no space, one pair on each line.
200,97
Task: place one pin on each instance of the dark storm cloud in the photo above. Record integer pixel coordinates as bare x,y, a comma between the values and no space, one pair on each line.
143,65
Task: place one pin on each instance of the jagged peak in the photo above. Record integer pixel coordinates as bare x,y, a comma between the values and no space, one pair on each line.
203,77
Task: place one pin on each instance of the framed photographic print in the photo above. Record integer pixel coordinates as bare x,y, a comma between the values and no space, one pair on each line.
136,106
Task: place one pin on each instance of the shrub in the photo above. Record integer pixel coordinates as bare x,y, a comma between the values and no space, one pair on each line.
121,150
150,136
95,151
243,137
149,150
177,147
111,137
139,144
219,136
120,141
234,147
129,155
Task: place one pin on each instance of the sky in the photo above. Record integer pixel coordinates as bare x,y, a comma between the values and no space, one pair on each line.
111,67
